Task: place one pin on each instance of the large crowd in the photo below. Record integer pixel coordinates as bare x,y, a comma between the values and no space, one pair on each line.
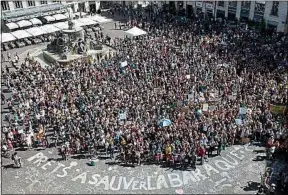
187,86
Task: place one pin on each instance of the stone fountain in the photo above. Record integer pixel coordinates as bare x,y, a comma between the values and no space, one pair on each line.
70,45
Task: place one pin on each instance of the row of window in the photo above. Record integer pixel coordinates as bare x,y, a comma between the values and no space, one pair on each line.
245,5
259,8
19,4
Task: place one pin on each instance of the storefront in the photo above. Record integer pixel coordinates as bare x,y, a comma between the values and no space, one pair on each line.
81,7
231,16
190,11
181,9
220,14
272,25
232,10
92,6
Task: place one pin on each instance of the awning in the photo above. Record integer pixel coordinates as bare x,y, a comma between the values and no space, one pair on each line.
86,21
49,28
12,25
80,14
100,19
62,25
24,23
36,31
38,11
136,32
49,18
21,34
67,15
78,23
35,21
7,37
60,17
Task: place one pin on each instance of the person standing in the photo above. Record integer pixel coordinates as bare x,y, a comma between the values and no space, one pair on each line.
16,58
2,57
8,56
220,145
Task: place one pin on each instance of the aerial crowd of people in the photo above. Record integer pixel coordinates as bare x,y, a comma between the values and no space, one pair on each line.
185,88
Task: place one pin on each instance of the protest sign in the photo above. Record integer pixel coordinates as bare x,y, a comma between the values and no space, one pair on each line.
124,64
123,116
277,109
242,110
185,109
205,107
190,96
238,122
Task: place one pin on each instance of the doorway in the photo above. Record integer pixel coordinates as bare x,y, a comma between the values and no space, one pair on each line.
81,7
231,16
189,11
92,8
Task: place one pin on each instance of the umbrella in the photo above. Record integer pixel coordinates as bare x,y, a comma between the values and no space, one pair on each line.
164,123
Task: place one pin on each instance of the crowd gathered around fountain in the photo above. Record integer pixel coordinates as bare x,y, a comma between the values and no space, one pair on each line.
187,87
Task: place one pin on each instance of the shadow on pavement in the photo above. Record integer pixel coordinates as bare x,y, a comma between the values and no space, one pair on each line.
259,151
55,159
252,186
11,166
259,158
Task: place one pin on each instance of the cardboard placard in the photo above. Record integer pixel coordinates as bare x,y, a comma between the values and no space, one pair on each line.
277,109
242,110
185,109
124,64
238,121
205,107
123,116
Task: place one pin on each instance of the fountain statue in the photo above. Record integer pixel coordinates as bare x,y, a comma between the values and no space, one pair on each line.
70,44
71,39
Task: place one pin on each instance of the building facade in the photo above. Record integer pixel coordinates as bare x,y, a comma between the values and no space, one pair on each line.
275,13
80,5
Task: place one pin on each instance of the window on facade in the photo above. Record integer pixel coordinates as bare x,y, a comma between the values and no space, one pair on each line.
5,5
18,4
43,2
233,3
259,8
180,4
275,8
31,3
56,1
246,4
221,3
